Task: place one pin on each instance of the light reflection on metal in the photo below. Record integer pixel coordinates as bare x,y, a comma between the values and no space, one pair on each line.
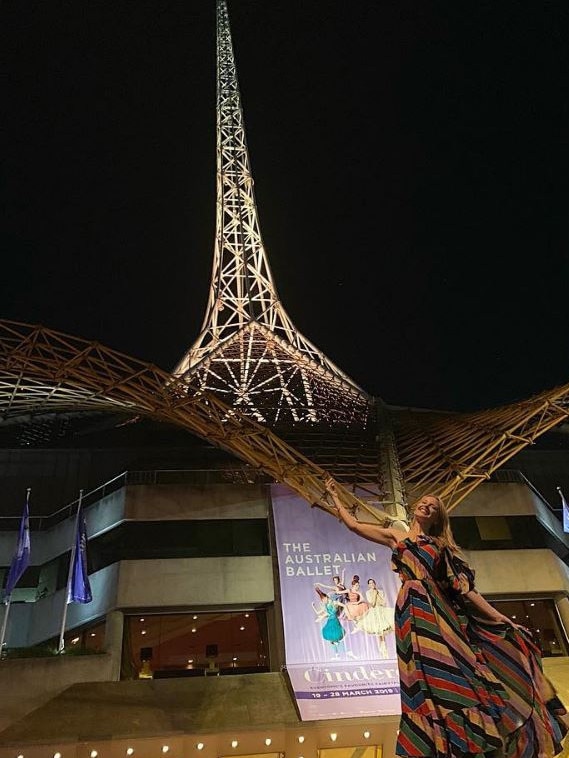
249,351
43,371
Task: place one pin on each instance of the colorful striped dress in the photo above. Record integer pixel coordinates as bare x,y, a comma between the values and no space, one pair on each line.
468,689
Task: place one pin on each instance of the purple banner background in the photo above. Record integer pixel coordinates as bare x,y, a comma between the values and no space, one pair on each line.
341,660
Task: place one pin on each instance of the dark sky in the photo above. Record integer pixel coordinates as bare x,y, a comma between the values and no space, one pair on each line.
411,171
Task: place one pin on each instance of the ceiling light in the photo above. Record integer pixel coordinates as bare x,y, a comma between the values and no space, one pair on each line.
333,736
234,743
366,734
301,738
141,619
129,750
194,630
241,628
165,748
268,741
94,754
57,755
200,746
194,617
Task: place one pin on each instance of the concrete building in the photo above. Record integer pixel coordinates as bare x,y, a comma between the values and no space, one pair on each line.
182,644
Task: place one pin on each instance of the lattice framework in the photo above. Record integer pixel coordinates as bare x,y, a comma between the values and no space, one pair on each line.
451,454
236,352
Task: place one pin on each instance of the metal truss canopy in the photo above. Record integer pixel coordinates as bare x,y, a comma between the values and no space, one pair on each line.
449,454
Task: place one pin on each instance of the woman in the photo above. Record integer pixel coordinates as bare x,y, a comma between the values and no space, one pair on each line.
471,680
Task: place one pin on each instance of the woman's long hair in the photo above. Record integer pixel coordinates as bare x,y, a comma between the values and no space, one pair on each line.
440,529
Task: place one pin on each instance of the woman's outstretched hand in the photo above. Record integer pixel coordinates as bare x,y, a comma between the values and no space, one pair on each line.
332,490
503,619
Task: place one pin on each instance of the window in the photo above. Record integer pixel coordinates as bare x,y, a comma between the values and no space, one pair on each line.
194,644
540,617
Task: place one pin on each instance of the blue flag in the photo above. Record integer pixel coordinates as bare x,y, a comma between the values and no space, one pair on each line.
21,557
565,509
79,590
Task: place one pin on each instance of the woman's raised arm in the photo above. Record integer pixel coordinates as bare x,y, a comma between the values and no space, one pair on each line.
382,535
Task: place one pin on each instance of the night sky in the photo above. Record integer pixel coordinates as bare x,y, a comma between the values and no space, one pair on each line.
410,161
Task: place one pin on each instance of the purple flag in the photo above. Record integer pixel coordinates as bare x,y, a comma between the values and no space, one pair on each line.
21,557
79,590
565,508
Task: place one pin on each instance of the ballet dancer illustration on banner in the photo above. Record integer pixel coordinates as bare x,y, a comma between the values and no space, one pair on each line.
332,630
338,592
356,606
378,620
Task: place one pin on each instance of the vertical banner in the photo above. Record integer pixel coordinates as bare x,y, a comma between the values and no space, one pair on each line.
338,594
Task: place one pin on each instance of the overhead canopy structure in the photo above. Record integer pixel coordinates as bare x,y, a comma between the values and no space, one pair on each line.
254,385
43,371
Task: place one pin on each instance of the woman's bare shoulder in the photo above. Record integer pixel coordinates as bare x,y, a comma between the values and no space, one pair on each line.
398,535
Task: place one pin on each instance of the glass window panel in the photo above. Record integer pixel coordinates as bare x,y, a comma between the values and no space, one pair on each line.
540,616
192,644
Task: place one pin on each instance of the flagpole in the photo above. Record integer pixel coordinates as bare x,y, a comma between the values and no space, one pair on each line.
8,600
61,646
564,511
4,625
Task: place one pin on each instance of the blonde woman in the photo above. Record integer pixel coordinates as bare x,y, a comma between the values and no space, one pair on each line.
471,679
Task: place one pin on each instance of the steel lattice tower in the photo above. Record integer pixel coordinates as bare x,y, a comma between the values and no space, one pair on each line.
248,351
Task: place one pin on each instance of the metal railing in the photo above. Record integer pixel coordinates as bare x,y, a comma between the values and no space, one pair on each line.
515,476
202,477
198,477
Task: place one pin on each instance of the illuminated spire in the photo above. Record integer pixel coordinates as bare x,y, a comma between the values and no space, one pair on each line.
248,349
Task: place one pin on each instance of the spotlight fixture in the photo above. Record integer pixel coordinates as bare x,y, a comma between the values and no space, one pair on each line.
234,743
165,748
333,736
200,746
129,750
301,738
366,734
94,754
57,755
268,741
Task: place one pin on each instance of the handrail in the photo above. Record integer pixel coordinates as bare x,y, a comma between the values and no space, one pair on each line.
515,476
242,475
